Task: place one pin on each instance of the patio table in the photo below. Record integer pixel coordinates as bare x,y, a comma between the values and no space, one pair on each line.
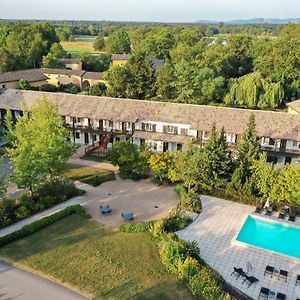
127,216
105,209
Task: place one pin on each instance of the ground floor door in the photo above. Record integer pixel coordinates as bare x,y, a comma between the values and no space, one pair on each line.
165,146
86,138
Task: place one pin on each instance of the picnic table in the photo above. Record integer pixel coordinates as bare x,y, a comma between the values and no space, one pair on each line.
105,209
127,216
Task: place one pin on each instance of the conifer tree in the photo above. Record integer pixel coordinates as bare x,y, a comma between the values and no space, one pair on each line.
248,153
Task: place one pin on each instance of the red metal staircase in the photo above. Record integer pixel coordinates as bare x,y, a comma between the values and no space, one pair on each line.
101,146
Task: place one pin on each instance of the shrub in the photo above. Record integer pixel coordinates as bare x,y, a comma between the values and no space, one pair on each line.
203,284
157,228
138,227
188,269
7,212
172,253
98,179
176,223
22,212
191,202
37,225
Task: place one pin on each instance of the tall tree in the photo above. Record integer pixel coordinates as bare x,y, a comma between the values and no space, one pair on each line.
187,166
118,42
99,43
40,145
216,161
248,152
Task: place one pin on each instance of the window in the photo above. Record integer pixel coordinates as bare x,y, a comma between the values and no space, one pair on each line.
295,144
179,147
170,129
108,123
231,138
149,127
3,86
77,135
205,135
95,137
268,141
184,131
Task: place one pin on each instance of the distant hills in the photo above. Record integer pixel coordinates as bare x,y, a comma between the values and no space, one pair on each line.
255,21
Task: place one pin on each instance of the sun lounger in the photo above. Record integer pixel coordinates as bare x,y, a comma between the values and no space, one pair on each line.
250,280
259,208
238,272
282,214
269,271
269,211
264,293
280,296
283,274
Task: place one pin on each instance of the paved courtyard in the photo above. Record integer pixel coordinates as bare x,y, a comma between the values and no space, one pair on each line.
215,230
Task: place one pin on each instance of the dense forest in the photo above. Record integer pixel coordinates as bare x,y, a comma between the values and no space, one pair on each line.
256,66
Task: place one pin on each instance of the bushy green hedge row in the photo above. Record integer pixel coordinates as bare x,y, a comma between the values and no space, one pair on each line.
137,227
45,196
98,179
37,225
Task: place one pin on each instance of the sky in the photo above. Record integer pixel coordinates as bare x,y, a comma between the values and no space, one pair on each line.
148,10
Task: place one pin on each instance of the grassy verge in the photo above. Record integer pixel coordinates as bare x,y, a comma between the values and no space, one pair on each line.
87,256
89,175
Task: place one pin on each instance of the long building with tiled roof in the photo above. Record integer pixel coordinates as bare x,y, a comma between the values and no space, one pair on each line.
163,125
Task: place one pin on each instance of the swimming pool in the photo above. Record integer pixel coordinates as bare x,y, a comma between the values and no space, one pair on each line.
272,236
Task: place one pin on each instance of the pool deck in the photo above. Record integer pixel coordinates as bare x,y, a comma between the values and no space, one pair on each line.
216,230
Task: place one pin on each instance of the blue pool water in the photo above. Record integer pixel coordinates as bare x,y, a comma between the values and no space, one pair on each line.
276,237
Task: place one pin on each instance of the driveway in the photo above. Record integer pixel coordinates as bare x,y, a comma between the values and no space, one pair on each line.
21,285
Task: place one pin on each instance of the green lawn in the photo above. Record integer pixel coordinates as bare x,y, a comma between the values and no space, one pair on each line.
97,261
81,44
89,175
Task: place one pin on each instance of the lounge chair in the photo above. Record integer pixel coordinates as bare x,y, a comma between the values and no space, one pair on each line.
282,214
269,271
280,296
264,293
297,280
292,216
238,272
259,208
269,211
250,280
283,274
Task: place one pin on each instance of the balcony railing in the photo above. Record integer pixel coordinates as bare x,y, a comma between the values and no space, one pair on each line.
280,149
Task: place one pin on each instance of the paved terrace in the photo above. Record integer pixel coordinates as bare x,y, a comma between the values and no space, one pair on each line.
215,230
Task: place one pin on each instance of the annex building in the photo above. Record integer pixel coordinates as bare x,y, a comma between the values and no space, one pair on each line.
98,122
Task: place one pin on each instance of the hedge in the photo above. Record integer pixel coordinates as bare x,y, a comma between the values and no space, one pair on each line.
39,224
98,179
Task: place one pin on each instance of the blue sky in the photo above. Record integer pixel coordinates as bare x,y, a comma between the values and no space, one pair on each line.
148,10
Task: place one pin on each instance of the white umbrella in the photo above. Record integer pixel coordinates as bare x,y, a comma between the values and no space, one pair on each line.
249,267
267,204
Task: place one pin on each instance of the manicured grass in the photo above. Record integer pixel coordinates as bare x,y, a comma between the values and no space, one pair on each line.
89,175
95,158
97,261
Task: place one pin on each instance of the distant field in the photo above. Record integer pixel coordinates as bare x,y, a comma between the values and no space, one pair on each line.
82,43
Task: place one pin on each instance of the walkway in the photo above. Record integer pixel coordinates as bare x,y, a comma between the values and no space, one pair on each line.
215,230
144,199
21,285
